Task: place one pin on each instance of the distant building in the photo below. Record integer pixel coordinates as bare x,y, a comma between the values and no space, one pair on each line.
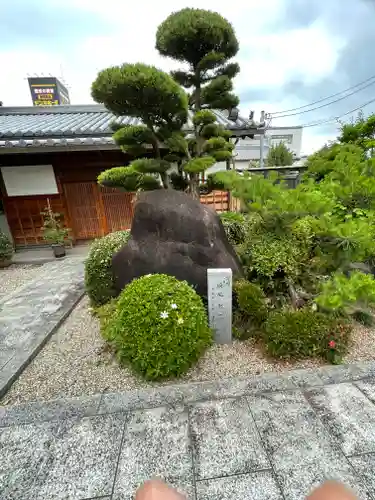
48,91
249,149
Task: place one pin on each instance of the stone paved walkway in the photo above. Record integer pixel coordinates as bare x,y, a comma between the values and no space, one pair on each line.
269,437
30,315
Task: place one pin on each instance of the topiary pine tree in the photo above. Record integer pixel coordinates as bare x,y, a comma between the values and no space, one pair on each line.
205,42
142,91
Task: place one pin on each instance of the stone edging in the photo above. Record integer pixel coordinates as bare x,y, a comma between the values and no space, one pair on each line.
21,364
183,394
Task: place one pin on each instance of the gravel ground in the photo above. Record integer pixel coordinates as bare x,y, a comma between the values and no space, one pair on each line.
14,276
75,362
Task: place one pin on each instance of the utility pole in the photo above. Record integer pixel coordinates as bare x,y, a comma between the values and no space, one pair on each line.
261,155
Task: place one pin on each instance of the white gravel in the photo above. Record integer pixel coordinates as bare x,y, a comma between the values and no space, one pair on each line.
15,276
76,361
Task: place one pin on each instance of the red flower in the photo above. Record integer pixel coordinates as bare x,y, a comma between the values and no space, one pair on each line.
332,344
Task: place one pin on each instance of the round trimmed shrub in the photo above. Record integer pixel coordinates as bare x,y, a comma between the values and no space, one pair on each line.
98,267
235,227
6,248
305,333
160,326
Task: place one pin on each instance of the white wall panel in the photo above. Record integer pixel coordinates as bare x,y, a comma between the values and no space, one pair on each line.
29,180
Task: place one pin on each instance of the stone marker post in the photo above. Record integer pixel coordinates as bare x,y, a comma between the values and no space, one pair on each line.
219,287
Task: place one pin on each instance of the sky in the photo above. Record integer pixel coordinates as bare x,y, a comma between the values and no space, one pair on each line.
292,52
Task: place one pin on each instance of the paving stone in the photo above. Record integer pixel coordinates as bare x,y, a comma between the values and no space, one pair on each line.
308,377
83,406
140,399
255,486
29,315
364,465
156,443
6,355
367,386
298,482
193,392
292,433
68,459
225,439
337,374
348,414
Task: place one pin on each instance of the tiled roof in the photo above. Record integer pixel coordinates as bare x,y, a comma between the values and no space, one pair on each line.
75,126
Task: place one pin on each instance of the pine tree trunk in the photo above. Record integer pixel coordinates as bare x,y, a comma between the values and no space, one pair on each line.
194,178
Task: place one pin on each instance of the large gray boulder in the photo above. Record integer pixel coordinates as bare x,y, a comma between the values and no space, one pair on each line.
174,234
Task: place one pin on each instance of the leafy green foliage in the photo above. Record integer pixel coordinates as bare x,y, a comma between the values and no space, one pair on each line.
361,132
279,156
319,164
141,91
342,293
157,99
301,237
198,165
193,35
160,327
251,301
305,333
204,117
6,247
235,226
98,267
133,139
351,181
53,229
128,179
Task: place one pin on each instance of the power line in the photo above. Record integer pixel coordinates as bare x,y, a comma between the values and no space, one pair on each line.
328,103
323,99
334,118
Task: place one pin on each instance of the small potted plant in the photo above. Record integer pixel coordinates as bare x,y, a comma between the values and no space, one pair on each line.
54,233
6,250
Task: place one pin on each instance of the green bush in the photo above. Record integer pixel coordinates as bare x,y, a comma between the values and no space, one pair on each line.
305,333
342,294
98,267
235,227
6,247
160,326
251,309
106,314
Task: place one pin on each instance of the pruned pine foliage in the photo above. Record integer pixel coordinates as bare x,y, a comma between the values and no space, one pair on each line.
165,155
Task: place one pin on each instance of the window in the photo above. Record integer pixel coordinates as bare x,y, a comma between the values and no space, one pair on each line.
286,139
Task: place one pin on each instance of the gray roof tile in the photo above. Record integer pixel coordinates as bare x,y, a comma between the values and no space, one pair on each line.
84,125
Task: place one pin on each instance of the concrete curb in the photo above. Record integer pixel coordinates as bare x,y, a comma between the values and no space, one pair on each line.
183,394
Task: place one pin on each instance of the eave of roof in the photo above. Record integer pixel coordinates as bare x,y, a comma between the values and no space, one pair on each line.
80,127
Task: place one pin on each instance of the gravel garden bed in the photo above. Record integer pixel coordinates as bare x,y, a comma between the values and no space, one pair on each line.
15,276
76,361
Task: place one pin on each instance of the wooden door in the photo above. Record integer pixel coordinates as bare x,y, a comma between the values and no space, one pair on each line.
85,212
25,219
95,211
118,208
